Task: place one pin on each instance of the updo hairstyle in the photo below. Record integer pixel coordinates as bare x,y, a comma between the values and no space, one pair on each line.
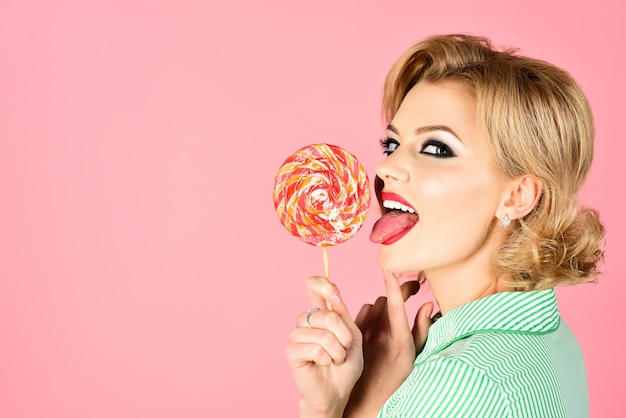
537,120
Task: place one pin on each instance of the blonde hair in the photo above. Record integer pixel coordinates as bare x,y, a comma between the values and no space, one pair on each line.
537,121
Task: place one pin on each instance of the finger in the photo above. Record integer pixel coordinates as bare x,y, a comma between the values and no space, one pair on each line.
409,289
327,321
323,293
377,317
356,336
302,354
362,316
321,338
398,321
422,325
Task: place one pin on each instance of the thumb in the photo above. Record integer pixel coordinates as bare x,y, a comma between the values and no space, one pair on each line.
422,325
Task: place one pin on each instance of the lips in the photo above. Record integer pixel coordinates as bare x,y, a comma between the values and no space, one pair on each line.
399,218
393,197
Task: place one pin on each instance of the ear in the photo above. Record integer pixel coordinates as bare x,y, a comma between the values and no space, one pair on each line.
520,197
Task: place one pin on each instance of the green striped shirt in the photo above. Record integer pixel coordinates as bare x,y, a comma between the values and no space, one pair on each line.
506,355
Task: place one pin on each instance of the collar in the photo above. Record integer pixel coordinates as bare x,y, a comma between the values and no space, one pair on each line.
524,312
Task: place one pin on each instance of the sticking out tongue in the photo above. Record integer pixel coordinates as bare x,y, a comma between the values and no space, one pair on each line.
392,226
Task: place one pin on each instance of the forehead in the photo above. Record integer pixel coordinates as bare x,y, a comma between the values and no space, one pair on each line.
443,103
438,100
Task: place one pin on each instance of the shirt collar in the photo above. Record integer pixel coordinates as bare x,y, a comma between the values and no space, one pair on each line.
526,312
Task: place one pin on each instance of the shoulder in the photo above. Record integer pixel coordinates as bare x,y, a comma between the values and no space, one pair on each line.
503,355
526,370
444,387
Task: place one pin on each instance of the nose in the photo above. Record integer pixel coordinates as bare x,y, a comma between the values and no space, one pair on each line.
390,170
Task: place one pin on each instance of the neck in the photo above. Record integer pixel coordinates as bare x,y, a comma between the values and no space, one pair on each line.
450,293
466,281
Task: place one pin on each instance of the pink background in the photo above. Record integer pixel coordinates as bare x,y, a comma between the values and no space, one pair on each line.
143,272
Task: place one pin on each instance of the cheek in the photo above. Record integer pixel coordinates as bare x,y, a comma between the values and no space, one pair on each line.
450,199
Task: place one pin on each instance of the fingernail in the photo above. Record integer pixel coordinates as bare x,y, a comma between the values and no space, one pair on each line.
335,300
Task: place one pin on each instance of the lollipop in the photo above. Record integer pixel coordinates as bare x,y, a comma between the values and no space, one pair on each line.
322,195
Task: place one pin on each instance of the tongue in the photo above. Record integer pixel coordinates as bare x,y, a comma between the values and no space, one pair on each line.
392,224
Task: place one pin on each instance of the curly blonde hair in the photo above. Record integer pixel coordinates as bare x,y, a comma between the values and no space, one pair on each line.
537,121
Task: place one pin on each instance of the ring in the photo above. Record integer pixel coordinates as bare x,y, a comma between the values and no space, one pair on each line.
308,315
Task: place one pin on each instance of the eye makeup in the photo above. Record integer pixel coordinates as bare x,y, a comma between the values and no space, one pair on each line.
389,145
437,149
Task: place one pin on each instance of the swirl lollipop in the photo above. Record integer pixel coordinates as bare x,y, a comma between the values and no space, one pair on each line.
322,195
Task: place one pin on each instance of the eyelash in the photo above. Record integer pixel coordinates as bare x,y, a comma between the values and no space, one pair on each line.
386,143
441,150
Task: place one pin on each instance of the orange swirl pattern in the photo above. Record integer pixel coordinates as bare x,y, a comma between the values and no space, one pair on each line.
322,194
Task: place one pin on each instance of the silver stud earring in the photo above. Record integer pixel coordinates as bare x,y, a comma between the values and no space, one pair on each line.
506,221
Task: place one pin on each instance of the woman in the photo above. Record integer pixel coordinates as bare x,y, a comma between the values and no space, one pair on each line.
486,152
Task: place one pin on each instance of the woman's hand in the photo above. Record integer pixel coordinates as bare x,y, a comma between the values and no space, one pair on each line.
389,346
326,356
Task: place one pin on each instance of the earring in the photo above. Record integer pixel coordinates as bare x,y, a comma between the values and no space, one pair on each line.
506,221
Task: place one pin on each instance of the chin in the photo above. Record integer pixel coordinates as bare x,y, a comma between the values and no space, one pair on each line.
390,260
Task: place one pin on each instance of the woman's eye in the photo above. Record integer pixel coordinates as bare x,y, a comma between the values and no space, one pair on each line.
389,145
437,149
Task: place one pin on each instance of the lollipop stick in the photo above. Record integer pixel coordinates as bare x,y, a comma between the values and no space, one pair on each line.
326,272
326,269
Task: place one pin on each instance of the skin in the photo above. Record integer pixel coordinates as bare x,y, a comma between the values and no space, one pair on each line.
441,165
345,367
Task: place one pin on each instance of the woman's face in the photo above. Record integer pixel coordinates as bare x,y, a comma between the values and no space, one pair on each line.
439,167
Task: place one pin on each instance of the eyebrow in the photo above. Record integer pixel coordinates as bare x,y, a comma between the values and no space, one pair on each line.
425,129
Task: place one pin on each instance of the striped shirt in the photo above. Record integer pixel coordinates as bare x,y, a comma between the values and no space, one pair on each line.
506,355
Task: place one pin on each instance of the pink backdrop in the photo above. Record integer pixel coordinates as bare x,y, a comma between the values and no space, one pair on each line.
143,272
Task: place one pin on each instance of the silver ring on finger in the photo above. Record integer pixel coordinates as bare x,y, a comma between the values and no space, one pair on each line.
308,315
